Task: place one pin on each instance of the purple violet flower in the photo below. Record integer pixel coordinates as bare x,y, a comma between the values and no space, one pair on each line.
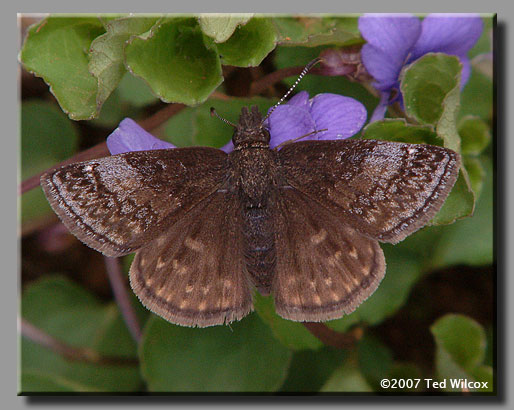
129,136
341,116
395,40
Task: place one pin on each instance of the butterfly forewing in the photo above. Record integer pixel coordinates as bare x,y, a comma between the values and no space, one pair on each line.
194,274
324,267
119,203
385,190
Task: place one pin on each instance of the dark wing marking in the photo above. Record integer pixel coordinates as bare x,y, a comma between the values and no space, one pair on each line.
385,190
117,204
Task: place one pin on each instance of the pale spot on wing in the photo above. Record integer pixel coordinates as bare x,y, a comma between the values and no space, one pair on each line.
347,286
160,291
338,255
225,303
202,305
328,282
227,284
312,284
205,290
160,263
194,245
149,281
353,252
295,299
354,278
189,288
319,237
317,299
178,268
335,297
135,227
183,304
365,270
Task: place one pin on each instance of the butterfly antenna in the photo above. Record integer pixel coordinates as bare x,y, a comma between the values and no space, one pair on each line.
215,114
302,74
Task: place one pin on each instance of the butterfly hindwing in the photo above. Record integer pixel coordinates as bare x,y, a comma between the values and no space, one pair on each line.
385,190
194,274
117,204
324,267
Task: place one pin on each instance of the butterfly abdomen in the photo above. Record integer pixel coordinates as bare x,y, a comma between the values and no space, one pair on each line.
259,247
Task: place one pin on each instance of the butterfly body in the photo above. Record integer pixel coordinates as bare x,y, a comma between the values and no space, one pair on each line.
301,222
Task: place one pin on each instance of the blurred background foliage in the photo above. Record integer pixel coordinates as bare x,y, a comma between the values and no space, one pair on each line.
433,316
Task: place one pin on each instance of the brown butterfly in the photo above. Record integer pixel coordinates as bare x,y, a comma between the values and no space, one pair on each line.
301,222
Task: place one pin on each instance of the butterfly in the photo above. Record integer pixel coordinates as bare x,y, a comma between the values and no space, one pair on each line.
302,221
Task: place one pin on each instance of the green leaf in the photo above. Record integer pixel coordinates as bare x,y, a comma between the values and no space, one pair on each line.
375,360
474,134
135,91
320,363
469,241
36,382
430,89
56,49
241,358
347,378
460,349
459,204
291,334
477,96
221,26
107,52
72,315
398,130
196,126
47,137
185,66
402,270
475,173
249,44
313,31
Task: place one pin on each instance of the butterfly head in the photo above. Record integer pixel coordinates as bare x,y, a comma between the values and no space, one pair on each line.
250,128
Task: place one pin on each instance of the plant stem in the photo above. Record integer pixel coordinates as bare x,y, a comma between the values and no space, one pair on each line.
77,354
121,296
261,84
332,338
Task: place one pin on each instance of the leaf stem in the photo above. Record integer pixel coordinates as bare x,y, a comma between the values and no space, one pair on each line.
77,354
261,84
333,338
121,296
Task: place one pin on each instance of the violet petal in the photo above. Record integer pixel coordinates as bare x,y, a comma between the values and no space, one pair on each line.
389,39
228,147
342,116
300,100
129,136
381,108
289,122
453,34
